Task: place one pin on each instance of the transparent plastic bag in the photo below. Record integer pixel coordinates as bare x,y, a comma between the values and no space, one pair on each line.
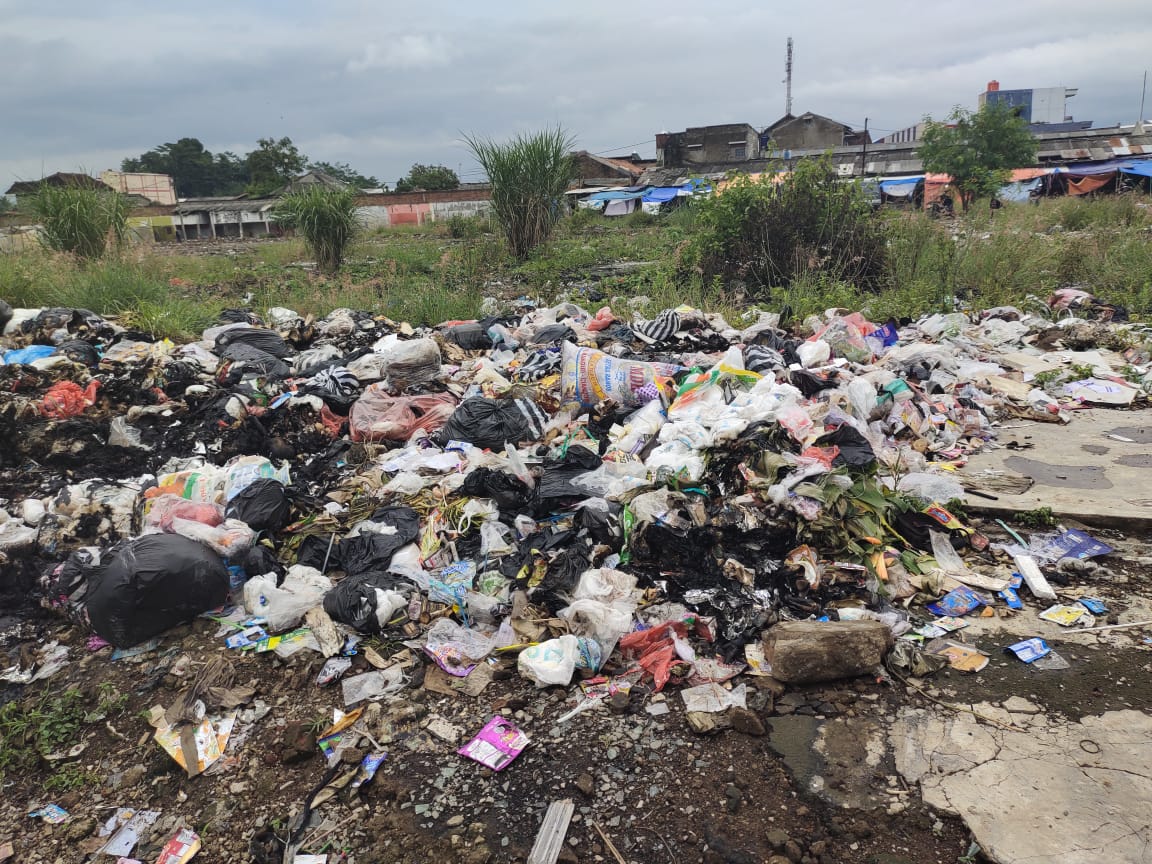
228,539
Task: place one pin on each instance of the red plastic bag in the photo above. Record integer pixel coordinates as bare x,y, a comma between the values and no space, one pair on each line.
67,399
603,319
654,650
377,416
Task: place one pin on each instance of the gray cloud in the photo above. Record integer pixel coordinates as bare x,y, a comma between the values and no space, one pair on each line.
383,85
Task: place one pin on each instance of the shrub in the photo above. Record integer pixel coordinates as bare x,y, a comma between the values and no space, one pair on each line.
326,218
769,234
529,176
466,227
80,221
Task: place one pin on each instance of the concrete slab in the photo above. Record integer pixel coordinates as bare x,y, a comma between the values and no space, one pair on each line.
1053,792
1082,470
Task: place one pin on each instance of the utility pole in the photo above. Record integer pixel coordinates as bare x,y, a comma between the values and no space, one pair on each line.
1139,130
788,81
864,151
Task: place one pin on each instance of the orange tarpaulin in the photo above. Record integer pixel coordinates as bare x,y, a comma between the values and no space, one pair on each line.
1088,184
935,184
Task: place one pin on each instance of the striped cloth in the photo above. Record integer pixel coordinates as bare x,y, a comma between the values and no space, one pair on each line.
661,328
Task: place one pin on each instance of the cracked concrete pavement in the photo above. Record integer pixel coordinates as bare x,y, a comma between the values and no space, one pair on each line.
1046,791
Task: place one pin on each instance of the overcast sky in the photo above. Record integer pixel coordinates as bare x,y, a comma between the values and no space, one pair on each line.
382,84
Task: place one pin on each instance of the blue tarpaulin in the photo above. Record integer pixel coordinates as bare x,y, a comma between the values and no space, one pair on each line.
900,187
614,195
1140,169
661,194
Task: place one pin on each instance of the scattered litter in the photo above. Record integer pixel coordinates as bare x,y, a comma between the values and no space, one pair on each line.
53,814
1029,650
496,745
180,848
550,838
1066,616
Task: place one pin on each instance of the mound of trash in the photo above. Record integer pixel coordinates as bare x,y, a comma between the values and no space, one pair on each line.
622,505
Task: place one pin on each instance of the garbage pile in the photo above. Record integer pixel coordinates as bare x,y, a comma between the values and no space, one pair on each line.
623,505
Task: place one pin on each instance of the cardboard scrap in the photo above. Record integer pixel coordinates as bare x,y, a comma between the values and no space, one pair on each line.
438,681
181,848
128,824
194,746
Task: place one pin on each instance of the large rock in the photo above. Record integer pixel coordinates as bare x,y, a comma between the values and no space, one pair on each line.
803,652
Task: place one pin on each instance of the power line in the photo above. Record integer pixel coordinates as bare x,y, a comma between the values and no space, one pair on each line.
621,147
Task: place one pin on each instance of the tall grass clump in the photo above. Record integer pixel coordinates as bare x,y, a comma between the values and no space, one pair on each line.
529,176
326,219
80,221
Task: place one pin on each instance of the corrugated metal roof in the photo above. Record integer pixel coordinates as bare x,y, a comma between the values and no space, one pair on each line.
236,205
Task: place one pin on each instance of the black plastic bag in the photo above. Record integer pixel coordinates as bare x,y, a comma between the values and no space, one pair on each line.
315,549
855,451
253,358
268,341
508,491
809,383
490,423
262,504
153,584
260,560
354,601
79,351
552,333
372,550
470,337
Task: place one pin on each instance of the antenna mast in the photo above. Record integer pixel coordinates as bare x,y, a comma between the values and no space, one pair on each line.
788,80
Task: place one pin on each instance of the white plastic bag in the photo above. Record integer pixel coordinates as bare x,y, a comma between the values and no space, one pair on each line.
551,662
604,622
814,353
283,607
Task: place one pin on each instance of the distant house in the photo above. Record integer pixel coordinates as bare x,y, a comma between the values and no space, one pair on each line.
708,145
309,180
223,217
811,132
61,180
593,170
155,188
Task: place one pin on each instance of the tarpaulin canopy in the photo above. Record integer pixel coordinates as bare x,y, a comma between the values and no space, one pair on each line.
1140,169
901,187
661,194
1084,185
615,195
1020,191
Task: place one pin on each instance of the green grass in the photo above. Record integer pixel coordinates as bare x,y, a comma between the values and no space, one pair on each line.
37,727
422,275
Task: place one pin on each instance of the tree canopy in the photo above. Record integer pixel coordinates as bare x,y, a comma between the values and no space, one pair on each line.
344,171
272,164
978,150
430,178
197,172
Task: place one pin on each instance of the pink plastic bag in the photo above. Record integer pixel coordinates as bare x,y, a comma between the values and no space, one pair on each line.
377,416
496,745
159,512
67,399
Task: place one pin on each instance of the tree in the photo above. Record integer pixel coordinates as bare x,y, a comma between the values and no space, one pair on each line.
186,161
272,164
430,178
344,171
977,149
529,176
229,174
